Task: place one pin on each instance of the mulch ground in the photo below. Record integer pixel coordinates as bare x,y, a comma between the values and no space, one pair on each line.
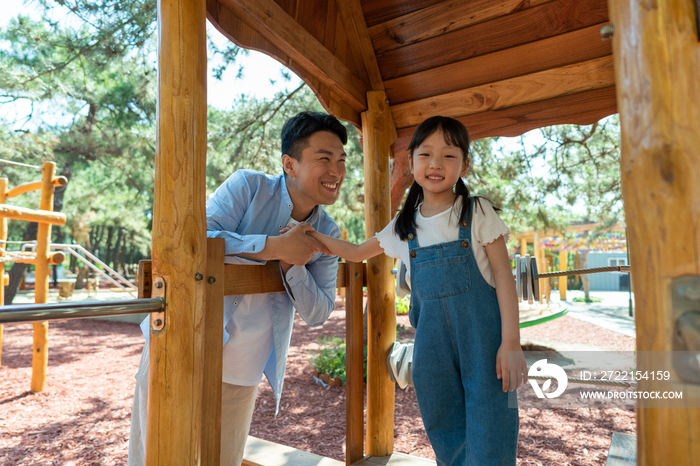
82,418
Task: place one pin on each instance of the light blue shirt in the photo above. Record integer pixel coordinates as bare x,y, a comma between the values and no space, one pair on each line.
247,208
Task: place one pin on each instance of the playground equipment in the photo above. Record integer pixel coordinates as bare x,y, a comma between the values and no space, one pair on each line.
41,258
502,67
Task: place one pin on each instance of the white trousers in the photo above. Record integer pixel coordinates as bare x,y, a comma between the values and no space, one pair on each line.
237,403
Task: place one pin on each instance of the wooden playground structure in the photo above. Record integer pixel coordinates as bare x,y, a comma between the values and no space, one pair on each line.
502,67
41,259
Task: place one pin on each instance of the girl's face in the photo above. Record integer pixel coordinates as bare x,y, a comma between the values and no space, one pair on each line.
436,165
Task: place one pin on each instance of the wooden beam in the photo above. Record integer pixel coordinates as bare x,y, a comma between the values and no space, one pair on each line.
175,392
542,22
381,11
47,217
575,109
556,52
594,74
238,32
440,19
381,333
273,23
358,38
355,385
213,353
657,58
40,355
256,279
563,266
34,186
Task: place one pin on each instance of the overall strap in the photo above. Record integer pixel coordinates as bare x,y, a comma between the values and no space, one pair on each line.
465,230
412,240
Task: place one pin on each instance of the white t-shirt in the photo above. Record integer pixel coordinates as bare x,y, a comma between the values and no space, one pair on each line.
486,227
250,342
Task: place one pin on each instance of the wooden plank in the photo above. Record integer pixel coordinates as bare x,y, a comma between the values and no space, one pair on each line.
538,23
273,23
359,40
47,217
381,333
311,15
355,385
594,74
395,459
179,237
380,11
576,109
144,279
244,36
623,450
440,19
260,452
563,50
40,355
657,56
257,279
563,266
212,357
34,186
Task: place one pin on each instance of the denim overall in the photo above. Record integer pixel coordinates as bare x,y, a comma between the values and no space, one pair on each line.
458,333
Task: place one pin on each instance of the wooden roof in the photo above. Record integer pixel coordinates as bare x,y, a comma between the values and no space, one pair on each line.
503,67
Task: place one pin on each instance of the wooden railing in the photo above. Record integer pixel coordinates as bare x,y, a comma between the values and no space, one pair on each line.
256,279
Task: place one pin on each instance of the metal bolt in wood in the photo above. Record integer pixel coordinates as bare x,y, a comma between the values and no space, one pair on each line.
158,318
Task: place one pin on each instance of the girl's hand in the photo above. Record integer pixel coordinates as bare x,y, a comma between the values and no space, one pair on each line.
511,367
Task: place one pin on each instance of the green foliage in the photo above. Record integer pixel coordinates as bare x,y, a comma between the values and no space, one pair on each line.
571,174
330,357
403,305
578,299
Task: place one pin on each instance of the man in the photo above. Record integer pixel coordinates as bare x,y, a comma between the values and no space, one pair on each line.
248,210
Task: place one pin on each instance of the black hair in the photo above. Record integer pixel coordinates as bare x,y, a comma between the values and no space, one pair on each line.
456,135
297,130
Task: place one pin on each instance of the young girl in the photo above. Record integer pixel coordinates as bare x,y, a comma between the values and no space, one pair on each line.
464,306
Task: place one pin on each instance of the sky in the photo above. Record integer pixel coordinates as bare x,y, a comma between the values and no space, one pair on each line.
259,70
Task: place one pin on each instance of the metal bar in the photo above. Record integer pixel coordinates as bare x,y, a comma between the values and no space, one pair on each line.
96,269
94,258
19,164
616,268
43,312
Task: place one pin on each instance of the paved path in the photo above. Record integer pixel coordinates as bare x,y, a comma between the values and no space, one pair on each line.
611,313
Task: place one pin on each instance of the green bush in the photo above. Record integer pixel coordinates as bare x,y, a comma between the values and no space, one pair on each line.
329,358
403,305
584,300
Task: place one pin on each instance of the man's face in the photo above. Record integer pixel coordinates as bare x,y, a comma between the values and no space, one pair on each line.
316,178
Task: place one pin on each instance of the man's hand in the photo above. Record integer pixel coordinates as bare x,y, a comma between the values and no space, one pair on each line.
294,246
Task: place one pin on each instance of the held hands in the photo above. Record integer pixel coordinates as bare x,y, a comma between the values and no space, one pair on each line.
296,247
511,367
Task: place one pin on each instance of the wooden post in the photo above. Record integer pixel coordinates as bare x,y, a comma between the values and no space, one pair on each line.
523,246
40,355
547,285
563,265
377,126
657,58
355,386
3,237
342,290
214,327
539,258
176,390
